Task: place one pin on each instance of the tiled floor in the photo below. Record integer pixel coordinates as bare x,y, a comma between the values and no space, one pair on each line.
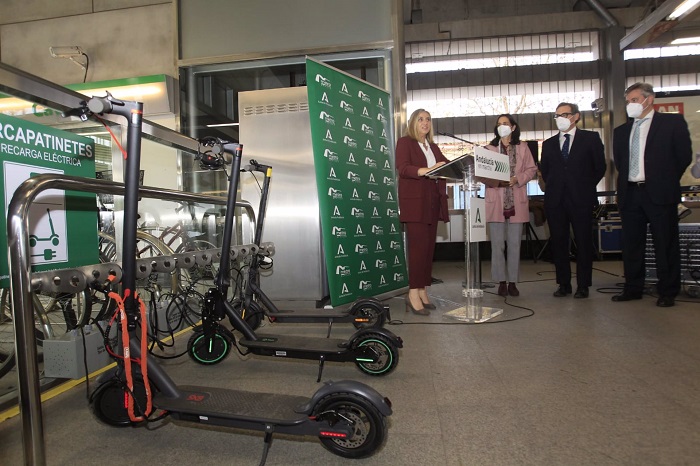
552,381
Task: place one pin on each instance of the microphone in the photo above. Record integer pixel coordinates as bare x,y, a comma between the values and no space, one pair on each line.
450,135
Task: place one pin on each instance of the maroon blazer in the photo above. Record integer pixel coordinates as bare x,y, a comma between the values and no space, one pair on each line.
418,194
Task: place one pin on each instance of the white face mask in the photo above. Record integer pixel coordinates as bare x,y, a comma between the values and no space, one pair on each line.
635,109
563,123
504,131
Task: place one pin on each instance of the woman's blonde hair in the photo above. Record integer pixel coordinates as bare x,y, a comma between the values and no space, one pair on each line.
411,130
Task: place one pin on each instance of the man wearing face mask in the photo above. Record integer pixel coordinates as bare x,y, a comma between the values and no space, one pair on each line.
651,153
573,163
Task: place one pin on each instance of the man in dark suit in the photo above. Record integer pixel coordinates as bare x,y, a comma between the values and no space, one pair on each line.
651,153
573,163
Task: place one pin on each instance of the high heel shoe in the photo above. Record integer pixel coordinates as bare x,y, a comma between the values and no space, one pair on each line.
430,306
420,312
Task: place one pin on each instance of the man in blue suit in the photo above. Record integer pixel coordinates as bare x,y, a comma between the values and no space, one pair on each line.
651,152
573,163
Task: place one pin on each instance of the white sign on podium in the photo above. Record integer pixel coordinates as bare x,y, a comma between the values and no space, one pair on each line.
490,164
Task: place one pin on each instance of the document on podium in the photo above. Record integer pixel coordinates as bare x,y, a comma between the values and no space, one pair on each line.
454,169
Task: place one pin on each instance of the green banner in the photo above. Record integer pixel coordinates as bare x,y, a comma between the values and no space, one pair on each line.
62,224
353,157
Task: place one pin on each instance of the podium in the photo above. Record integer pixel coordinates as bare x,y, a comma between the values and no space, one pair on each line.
473,311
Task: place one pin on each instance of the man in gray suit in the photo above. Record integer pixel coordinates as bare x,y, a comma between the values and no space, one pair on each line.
651,152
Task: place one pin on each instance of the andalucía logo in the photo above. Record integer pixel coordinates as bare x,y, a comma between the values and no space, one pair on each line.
365,113
329,137
382,281
389,197
357,213
341,252
348,125
336,213
335,193
342,270
346,106
324,100
344,291
355,195
351,160
365,285
380,103
364,96
371,179
331,175
380,264
368,146
344,90
383,135
324,82
371,195
379,247
350,142
363,268
375,213
393,230
387,166
339,232
326,117
397,261
358,232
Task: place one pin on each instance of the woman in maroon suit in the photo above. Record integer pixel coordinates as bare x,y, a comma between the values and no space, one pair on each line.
423,202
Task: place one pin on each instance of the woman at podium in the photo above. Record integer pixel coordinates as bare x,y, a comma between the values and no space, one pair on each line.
423,202
507,204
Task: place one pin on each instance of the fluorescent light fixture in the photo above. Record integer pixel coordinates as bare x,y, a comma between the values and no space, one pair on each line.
686,40
217,125
683,9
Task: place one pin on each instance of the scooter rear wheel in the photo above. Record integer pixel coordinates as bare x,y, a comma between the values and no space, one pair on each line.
208,349
369,425
108,405
253,315
384,351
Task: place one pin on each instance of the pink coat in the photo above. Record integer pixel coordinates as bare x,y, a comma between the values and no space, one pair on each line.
525,170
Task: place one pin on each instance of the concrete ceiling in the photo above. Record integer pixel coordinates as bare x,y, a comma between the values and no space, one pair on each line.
654,29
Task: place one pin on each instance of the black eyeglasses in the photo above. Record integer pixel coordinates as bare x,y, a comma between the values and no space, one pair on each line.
564,115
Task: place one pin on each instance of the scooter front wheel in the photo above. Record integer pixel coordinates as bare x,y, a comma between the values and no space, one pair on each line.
208,349
368,425
380,357
108,402
368,315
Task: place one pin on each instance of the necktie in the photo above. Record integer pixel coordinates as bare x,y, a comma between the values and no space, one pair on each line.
635,149
565,147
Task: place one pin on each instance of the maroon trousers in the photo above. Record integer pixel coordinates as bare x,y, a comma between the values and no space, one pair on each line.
420,239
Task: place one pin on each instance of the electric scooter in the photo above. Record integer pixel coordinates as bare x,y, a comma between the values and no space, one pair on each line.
254,304
375,351
349,417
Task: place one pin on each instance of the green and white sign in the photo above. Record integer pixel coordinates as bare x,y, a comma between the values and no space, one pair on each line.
490,164
353,157
62,224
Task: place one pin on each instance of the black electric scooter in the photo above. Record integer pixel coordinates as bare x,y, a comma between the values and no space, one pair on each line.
375,351
349,417
254,304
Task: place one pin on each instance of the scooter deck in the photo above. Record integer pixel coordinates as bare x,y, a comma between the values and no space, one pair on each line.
221,403
307,315
298,346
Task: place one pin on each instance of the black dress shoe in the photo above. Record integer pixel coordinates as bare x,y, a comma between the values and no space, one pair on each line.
562,291
581,292
626,296
665,301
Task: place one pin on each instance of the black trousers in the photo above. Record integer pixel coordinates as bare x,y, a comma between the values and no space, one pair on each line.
638,211
563,218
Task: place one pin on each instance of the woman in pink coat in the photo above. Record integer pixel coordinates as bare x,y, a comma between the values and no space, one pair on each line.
507,204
